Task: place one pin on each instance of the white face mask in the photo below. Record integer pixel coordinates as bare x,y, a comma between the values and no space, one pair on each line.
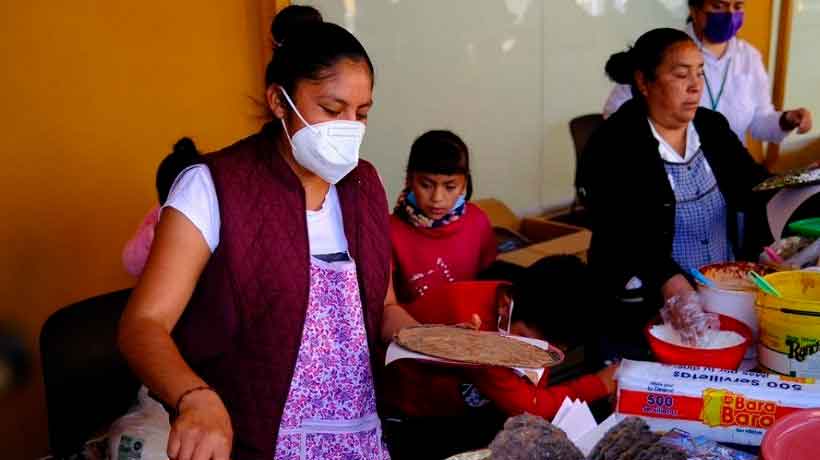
330,149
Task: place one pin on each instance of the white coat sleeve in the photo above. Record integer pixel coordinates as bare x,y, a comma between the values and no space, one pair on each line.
618,95
765,124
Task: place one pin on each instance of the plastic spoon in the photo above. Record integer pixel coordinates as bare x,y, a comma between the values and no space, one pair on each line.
764,285
702,278
773,255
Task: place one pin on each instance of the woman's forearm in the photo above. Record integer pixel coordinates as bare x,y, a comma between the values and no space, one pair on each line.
155,358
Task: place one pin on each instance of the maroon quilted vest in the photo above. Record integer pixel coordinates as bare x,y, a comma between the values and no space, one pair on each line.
242,329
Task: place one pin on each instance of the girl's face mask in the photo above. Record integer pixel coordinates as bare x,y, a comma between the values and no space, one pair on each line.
437,195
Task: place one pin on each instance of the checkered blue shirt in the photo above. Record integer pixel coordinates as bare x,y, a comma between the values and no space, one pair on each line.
701,232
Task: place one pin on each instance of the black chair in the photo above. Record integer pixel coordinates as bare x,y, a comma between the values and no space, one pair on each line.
87,381
581,129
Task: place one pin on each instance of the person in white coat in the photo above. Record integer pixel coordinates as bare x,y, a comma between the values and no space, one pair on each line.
735,79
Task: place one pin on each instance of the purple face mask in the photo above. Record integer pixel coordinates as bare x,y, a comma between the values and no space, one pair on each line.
721,27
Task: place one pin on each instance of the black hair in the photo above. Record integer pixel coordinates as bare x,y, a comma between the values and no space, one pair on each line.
698,4
553,296
645,56
440,152
308,48
291,18
184,154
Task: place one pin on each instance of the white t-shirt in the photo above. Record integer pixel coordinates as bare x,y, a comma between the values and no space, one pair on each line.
194,195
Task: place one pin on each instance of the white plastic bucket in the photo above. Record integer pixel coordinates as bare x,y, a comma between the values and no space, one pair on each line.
736,302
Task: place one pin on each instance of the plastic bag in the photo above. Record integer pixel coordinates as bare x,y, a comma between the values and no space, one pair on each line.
807,256
785,249
142,433
686,315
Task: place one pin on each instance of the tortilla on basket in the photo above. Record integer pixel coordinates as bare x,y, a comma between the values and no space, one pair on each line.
475,347
796,178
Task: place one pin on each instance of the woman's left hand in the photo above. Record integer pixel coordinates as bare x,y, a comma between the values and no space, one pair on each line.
798,118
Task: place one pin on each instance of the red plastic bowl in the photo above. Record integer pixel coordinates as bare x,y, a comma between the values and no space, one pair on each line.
793,437
720,358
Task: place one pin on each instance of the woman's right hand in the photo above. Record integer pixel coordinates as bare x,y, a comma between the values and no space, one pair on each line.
677,285
683,310
202,430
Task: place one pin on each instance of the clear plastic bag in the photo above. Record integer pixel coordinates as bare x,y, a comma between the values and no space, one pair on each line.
807,256
142,433
686,315
785,249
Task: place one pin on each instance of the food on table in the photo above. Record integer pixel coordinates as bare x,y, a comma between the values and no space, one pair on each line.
660,451
734,275
474,347
700,447
711,338
483,454
795,178
625,441
527,437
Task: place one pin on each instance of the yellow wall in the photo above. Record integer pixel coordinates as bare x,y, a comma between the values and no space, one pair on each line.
94,93
757,25
756,30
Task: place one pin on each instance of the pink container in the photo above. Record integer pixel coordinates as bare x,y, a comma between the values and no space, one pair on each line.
793,437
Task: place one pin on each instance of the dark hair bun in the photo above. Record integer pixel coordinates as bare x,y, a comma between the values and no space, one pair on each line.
620,68
184,154
186,147
290,19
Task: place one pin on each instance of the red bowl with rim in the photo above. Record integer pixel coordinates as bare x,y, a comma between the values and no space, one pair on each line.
793,437
721,358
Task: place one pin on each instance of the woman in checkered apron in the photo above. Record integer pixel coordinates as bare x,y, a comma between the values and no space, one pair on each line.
664,178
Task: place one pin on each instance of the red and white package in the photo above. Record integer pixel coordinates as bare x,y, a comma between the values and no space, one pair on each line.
725,406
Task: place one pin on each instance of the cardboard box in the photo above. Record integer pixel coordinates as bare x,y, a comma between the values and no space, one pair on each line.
547,237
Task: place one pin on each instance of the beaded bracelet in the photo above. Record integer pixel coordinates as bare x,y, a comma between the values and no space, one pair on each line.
189,391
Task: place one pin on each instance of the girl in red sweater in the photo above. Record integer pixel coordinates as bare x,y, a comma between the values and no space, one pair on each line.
438,235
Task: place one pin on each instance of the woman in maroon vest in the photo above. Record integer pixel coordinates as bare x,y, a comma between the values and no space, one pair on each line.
261,312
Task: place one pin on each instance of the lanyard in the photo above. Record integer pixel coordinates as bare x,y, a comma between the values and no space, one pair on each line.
716,101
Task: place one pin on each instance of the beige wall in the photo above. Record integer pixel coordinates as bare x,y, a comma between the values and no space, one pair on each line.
94,94
505,75
803,81
756,30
